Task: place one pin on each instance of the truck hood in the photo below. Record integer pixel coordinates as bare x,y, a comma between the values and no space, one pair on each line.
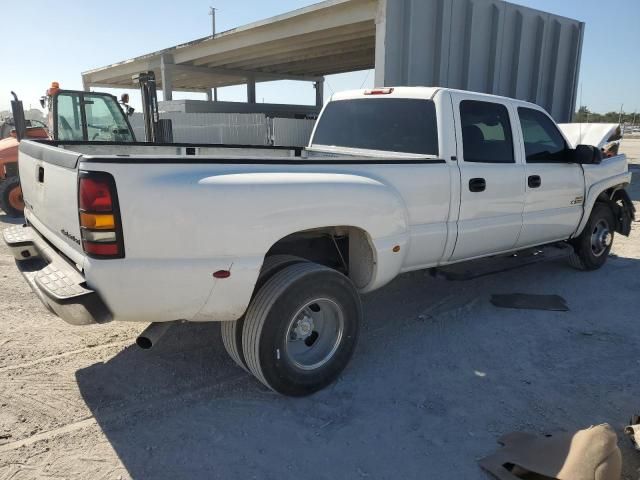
596,134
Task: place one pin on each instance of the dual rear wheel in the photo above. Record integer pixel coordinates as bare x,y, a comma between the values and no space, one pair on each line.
300,329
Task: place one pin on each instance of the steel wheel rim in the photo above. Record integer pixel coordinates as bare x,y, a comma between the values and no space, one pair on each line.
601,238
314,334
15,198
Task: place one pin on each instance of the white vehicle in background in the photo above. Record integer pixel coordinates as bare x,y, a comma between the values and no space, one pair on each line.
279,247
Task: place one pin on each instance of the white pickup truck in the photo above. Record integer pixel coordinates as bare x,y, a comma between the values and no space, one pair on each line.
278,245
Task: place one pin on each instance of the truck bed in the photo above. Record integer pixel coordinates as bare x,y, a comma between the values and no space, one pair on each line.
188,211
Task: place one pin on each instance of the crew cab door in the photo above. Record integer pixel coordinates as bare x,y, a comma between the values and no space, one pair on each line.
492,177
555,188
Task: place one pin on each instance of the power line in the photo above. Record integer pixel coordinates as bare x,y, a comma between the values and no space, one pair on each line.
365,79
326,80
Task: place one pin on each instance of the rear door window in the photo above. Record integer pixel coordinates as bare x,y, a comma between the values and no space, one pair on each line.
543,142
486,132
390,124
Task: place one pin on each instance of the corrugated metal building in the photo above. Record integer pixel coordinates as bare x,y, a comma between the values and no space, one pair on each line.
489,46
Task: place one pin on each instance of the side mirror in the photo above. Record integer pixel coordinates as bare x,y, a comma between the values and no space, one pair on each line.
586,155
130,110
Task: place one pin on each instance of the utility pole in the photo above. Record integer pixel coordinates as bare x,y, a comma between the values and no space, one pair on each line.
212,12
620,116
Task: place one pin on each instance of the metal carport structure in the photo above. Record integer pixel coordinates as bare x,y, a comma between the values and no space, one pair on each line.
331,37
489,46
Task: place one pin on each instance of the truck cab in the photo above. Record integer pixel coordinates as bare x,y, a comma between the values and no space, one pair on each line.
79,116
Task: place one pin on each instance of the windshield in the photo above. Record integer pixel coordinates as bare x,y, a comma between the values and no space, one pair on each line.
389,124
90,117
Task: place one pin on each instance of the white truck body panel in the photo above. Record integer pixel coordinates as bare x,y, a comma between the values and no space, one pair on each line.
187,215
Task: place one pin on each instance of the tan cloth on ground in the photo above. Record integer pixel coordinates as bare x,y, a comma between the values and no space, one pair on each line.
590,454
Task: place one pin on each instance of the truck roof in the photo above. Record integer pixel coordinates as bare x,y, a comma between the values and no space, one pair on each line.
426,93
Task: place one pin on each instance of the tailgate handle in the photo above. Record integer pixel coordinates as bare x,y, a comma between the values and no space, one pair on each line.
41,174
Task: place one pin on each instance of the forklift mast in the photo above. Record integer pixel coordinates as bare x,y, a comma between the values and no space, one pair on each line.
156,129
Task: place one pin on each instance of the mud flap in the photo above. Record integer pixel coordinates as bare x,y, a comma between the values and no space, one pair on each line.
624,211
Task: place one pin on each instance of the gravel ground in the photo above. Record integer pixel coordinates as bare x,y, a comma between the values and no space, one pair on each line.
439,375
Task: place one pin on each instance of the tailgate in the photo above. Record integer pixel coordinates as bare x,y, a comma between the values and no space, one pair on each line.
49,184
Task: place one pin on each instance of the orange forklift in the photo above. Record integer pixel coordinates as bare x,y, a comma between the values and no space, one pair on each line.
10,192
77,116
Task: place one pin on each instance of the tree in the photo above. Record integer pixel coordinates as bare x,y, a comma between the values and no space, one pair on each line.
584,115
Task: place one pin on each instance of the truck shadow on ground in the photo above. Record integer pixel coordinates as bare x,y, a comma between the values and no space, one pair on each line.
438,376
4,218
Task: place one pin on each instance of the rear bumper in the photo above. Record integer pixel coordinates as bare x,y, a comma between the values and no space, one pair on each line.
58,284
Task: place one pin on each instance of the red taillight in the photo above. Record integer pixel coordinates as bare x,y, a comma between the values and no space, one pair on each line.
95,195
100,249
99,216
379,91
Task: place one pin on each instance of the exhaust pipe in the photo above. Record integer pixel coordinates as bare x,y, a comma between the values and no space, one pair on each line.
148,338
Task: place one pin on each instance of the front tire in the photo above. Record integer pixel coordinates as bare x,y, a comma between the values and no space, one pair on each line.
592,247
301,329
11,200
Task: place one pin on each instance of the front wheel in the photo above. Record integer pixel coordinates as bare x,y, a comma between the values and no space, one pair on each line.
592,247
301,329
11,200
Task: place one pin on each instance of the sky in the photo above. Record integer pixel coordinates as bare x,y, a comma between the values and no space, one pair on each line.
44,41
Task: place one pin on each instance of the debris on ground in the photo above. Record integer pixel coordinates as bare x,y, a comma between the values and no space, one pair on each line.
633,431
525,301
590,454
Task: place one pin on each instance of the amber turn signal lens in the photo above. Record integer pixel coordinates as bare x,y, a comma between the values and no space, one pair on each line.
97,221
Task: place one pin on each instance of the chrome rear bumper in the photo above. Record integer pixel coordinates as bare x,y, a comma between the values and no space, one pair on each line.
58,284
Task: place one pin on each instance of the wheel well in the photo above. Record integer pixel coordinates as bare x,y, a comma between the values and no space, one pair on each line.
346,249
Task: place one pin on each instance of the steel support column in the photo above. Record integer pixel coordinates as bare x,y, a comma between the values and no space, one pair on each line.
166,73
251,90
319,86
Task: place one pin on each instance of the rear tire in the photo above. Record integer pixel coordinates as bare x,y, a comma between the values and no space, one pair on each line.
11,200
592,247
232,331
301,329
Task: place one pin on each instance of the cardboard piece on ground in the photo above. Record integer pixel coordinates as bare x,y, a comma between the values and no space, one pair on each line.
590,454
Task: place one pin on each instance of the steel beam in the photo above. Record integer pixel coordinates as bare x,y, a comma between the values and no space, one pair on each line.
258,75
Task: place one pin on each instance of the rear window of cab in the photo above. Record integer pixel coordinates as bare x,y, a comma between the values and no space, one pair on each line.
388,124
